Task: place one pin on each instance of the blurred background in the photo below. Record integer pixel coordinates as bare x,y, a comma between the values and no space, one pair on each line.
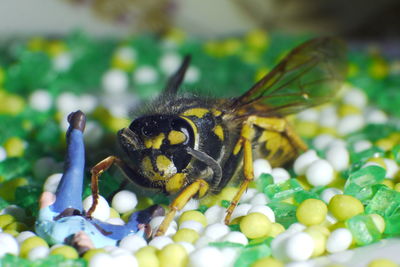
356,19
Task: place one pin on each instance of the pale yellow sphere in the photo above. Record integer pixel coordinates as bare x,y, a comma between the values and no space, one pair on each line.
270,262
312,212
344,207
173,255
255,225
147,257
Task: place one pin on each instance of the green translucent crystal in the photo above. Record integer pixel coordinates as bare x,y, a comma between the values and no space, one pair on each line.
281,191
226,245
264,180
363,229
251,254
285,213
10,261
303,195
385,202
396,153
392,225
359,183
366,154
3,203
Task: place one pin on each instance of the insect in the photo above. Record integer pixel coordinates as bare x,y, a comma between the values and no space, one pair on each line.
192,146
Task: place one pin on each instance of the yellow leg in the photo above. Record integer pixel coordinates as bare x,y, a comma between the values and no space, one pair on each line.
96,171
199,186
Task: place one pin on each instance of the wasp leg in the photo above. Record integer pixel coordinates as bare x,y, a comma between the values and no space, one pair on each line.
198,187
96,171
272,124
279,125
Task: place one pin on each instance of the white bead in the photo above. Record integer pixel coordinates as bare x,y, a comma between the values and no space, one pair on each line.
170,63
194,225
278,245
216,231
115,221
132,242
280,175
267,211
296,228
248,195
187,246
3,153
38,253
300,264
51,183
192,204
308,115
230,255
215,214
126,54
192,75
362,145
124,260
8,244
160,241
240,210
350,123
339,240
67,102
87,103
355,97
206,257
320,173
124,201
328,117
303,161
115,81
261,166
21,237
93,133
391,168
329,193
40,100
101,260
338,156
259,199
62,62
156,221
203,241
145,75
236,237
102,211
376,116
299,247
330,218
322,141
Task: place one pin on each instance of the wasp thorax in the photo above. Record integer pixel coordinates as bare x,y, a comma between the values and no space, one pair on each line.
158,144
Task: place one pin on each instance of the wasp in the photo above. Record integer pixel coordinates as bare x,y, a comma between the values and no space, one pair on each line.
191,146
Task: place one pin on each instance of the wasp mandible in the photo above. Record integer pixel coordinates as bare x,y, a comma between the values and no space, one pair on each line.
192,146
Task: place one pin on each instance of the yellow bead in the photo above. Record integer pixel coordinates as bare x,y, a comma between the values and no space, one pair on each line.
186,235
114,213
267,262
121,63
382,263
379,69
56,47
337,225
30,243
344,207
327,130
6,219
11,104
306,128
12,232
14,147
67,251
147,257
17,226
7,189
231,46
36,44
346,109
389,183
379,161
352,69
379,222
319,241
228,193
173,255
322,229
397,187
91,252
385,144
276,229
193,215
257,39
255,225
312,212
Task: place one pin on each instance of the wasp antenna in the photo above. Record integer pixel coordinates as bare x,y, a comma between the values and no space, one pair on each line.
175,80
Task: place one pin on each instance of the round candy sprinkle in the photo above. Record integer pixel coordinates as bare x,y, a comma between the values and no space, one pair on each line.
344,207
8,244
339,240
267,211
66,251
299,247
186,235
40,100
102,211
31,243
147,257
115,81
312,212
124,201
193,215
206,257
255,225
303,161
132,243
173,255
320,173
382,263
101,260
270,262
261,166
38,253
160,241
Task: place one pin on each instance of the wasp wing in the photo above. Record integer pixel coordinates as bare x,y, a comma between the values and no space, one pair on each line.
308,76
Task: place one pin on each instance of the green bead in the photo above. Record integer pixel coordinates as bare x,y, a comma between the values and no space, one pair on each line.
385,202
363,229
281,191
251,254
285,213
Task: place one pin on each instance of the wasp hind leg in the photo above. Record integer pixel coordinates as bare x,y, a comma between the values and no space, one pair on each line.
278,125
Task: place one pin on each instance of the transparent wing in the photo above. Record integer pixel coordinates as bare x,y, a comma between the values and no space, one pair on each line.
308,76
